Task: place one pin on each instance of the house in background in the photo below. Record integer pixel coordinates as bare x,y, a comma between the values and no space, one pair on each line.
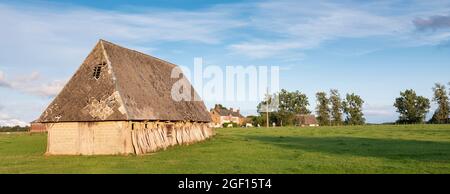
221,115
306,120
36,127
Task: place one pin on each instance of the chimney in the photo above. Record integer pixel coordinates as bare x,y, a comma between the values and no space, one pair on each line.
231,109
237,110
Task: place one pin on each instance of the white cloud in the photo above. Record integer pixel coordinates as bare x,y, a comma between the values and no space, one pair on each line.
71,25
6,120
295,26
3,81
64,35
379,111
300,30
33,76
286,26
32,84
13,122
263,49
47,89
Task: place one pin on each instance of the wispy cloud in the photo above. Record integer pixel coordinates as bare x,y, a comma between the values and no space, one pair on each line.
46,89
32,84
307,27
12,122
74,26
7,120
62,37
282,27
3,81
379,110
261,49
304,26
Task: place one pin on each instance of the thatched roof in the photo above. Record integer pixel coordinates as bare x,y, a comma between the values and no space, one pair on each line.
116,83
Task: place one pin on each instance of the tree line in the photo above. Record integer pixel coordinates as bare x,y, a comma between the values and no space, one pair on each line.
14,129
413,109
333,110
330,110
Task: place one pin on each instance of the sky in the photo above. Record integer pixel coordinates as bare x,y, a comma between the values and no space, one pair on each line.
374,49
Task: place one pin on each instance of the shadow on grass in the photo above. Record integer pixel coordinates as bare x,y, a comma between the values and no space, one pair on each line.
383,148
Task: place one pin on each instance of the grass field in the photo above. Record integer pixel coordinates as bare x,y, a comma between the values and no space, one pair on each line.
359,149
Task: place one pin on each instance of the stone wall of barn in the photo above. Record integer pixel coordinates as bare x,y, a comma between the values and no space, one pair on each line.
121,137
88,138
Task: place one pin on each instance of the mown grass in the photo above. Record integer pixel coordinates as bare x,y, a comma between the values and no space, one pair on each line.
353,149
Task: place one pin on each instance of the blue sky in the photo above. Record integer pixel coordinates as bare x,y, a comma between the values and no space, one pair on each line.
375,49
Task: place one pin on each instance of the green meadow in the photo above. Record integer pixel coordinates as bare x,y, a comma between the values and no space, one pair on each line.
350,149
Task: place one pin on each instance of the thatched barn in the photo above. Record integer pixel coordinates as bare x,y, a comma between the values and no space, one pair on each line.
119,102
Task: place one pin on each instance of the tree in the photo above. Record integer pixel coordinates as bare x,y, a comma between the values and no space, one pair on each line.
322,109
289,104
293,102
353,109
412,108
336,107
440,97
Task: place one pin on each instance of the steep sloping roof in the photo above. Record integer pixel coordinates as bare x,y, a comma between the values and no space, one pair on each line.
131,86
